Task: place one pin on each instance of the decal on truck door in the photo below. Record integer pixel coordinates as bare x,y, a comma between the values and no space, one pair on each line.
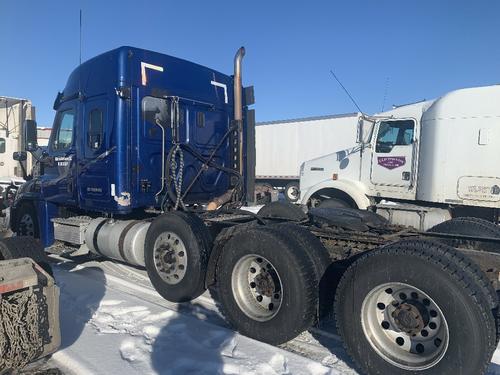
391,162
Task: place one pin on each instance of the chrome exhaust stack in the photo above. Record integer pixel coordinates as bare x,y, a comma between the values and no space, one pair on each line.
238,120
238,104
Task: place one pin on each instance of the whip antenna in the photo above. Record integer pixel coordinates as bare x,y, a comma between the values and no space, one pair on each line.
385,93
80,60
347,92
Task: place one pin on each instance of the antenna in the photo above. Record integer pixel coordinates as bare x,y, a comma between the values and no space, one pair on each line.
347,92
80,62
386,89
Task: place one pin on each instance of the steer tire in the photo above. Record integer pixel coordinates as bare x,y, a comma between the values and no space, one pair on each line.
282,210
27,221
469,226
451,281
292,267
25,247
189,239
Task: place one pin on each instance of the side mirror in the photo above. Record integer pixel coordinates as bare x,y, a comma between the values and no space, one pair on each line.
30,135
19,156
155,109
359,133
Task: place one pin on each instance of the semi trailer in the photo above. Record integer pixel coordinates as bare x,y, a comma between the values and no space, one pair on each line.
418,164
282,146
151,159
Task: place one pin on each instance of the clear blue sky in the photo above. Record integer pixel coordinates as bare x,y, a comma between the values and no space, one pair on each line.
423,48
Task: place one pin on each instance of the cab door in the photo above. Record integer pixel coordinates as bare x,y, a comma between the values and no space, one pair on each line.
95,159
393,157
59,178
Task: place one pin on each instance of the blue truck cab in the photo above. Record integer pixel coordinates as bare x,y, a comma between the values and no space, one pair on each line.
136,131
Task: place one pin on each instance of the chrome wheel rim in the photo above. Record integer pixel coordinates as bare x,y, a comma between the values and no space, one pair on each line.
292,193
170,257
27,225
405,326
257,287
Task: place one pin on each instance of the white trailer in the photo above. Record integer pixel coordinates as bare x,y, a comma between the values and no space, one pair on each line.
432,161
282,146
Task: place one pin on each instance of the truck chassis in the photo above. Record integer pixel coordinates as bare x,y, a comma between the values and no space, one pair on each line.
393,325
403,300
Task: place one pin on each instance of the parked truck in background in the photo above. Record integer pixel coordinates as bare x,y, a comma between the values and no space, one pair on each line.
150,160
13,112
282,146
418,164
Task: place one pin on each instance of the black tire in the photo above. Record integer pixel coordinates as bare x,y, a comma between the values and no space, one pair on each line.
451,280
469,226
25,215
319,256
292,192
282,210
197,242
334,203
25,247
309,242
296,272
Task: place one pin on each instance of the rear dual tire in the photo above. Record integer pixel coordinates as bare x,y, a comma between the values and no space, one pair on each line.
267,285
426,289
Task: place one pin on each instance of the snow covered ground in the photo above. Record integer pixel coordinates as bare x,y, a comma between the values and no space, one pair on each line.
114,322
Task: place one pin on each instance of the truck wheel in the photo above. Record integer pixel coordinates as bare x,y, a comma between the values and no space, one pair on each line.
25,247
416,306
292,192
27,221
319,256
176,252
266,285
282,210
333,203
469,226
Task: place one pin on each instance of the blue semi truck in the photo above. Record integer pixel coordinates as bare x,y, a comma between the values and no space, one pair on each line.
151,159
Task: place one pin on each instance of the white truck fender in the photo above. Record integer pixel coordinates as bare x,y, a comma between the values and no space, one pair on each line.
351,188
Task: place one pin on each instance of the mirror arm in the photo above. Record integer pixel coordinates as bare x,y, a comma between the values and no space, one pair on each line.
25,174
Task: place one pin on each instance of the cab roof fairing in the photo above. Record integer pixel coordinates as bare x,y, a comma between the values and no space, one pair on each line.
126,66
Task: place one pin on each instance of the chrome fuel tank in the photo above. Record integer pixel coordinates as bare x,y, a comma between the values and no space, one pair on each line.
118,239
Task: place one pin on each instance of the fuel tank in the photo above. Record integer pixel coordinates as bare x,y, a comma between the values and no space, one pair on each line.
118,239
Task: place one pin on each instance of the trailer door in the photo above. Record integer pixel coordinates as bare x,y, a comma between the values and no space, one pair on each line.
393,157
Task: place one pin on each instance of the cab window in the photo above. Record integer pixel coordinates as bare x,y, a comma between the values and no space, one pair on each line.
2,145
63,137
394,133
95,129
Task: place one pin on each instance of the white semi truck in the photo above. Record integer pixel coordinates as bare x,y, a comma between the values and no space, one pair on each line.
417,164
13,112
281,146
